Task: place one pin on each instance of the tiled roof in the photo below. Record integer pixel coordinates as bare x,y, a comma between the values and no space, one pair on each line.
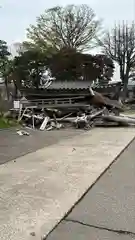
79,84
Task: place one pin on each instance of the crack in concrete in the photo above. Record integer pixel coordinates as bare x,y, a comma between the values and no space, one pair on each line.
117,231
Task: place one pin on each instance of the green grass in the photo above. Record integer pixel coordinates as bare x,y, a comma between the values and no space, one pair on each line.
5,123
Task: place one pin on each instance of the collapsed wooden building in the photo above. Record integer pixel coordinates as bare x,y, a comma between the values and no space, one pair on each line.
57,100
71,88
69,93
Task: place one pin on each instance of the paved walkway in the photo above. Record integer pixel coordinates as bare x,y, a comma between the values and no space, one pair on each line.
107,211
38,189
13,146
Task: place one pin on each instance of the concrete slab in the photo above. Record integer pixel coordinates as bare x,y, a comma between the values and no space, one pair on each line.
75,231
38,189
111,202
13,146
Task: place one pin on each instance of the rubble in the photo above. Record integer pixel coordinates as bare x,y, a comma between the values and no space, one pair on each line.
83,112
21,133
120,119
81,120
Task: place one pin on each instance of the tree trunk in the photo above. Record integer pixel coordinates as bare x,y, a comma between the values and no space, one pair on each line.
6,86
125,89
16,90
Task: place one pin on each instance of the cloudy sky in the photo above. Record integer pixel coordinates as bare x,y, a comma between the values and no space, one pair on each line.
16,15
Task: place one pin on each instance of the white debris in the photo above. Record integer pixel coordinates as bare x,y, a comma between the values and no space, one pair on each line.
21,133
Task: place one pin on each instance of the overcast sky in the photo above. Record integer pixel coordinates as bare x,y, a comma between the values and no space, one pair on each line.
16,15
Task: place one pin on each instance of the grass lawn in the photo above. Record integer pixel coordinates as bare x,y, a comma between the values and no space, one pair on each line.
4,123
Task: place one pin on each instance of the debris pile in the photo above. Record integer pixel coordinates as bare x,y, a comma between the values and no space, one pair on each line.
82,112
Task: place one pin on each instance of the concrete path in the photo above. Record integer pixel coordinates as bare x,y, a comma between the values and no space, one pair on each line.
36,190
13,146
107,211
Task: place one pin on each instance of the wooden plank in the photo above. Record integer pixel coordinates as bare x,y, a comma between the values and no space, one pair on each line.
121,120
44,123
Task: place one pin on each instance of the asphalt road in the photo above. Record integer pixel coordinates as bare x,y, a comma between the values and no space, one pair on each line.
107,211
13,146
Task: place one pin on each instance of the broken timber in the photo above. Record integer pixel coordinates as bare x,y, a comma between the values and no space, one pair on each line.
119,119
44,123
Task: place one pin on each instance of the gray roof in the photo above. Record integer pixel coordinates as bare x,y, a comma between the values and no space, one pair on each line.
79,84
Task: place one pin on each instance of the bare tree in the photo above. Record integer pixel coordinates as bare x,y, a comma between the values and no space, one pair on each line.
71,26
119,45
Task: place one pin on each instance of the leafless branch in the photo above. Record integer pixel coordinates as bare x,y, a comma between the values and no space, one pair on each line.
72,26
